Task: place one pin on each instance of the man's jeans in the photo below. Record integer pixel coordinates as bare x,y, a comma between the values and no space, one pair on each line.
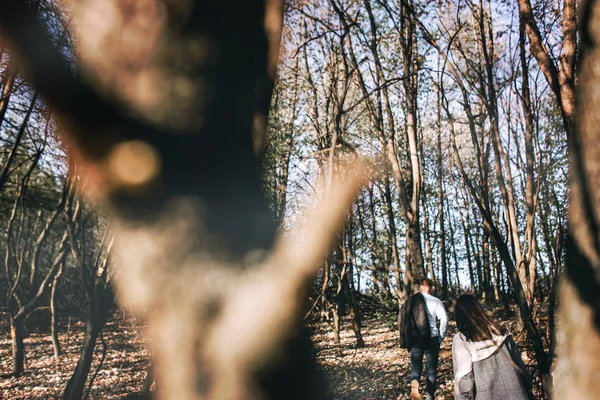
431,350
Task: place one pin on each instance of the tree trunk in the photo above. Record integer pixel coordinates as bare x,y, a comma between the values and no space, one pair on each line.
576,374
324,293
531,193
53,322
400,293
338,300
453,243
480,276
76,384
17,334
354,314
442,231
285,162
498,285
336,324
561,78
487,276
469,262
551,332
466,232
428,255
7,87
348,287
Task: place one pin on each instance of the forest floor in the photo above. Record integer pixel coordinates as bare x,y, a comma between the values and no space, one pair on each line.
380,370
377,371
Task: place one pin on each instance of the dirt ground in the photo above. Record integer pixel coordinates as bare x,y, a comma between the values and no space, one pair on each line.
377,371
380,370
123,370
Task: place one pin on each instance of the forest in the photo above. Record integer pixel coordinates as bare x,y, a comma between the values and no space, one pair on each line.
233,201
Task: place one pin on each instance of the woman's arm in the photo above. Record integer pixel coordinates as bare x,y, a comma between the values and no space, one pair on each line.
466,387
464,380
443,318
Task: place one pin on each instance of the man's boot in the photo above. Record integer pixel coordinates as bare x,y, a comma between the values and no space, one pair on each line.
414,390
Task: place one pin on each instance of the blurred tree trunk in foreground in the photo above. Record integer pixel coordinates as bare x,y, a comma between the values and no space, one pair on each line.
167,121
576,375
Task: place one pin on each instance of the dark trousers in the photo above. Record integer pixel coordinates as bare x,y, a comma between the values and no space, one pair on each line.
431,351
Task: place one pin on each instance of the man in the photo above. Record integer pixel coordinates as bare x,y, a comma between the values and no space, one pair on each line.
419,333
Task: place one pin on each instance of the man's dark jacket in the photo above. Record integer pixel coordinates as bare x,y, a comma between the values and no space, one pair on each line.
413,323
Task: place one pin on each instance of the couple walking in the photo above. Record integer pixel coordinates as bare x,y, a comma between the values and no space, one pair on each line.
486,363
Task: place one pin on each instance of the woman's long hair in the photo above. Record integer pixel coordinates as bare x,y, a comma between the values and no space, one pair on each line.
472,321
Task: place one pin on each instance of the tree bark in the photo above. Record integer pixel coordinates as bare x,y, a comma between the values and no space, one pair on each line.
428,251
561,78
355,316
487,274
414,254
335,316
8,81
325,304
531,193
453,244
400,293
17,334
53,320
466,232
579,311
440,182
289,141
76,384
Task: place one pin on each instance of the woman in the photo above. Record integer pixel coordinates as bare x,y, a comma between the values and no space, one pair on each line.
486,363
